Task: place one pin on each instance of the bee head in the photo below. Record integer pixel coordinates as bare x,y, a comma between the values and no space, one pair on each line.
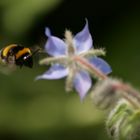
28,61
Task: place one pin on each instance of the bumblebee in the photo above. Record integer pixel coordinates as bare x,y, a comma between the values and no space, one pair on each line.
18,55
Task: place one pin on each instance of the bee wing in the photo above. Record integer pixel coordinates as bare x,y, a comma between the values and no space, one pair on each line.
11,60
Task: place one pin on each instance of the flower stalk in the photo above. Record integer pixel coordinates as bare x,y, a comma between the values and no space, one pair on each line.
92,69
76,59
128,93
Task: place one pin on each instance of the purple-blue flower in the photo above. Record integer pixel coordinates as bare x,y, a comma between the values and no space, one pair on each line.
63,62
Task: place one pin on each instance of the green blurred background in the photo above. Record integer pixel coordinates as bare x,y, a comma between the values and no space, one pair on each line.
42,110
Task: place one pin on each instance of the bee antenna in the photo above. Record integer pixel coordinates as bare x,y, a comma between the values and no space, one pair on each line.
36,51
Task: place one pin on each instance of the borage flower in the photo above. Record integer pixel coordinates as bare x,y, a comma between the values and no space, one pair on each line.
74,57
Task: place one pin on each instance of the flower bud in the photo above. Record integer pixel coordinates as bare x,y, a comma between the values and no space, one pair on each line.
117,118
105,94
131,128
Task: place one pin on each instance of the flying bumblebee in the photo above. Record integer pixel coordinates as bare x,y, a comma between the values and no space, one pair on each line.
18,55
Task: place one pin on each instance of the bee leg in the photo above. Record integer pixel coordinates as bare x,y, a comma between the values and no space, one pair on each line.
20,66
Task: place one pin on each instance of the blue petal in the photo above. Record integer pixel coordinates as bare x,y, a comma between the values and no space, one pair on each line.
56,71
102,65
54,45
82,83
48,32
83,40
